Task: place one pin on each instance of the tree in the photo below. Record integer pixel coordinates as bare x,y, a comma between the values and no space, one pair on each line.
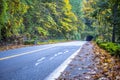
104,17
11,19
3,10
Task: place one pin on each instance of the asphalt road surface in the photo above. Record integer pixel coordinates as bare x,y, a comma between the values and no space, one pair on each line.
35,62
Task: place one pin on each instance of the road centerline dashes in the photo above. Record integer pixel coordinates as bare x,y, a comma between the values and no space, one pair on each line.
39,61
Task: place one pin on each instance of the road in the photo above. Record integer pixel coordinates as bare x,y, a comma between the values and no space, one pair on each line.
35,62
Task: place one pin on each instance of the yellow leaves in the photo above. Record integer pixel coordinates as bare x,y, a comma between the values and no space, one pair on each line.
68,6
67,20
103,12
107,60
24,8
108,65
96,76
65,26
87,9
88,3
87,6
9,23
71,16
105,70
91,1
109,10
74,28
21,20
47,25
66,1
51,7
42,31
108,16
85,2
17,7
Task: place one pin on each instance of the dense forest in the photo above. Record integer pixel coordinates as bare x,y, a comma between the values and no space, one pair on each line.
102,16
41,20
38,19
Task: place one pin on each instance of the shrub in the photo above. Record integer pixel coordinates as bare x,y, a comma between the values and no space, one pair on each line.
113,48
29,42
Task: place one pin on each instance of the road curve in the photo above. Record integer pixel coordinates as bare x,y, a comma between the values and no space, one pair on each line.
36,62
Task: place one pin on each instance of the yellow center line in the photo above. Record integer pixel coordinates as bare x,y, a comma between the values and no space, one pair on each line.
8,57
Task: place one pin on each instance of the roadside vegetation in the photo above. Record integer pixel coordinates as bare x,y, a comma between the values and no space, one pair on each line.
112,48
28,21
103,20
31,43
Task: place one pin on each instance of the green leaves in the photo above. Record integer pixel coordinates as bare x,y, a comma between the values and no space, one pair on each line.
11,18
42,31
55,17
104,17
113,48
3,10
42,18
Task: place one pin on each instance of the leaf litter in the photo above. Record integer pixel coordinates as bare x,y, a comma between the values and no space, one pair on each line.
92,63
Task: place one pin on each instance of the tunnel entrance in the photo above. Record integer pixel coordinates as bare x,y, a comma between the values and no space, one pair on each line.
89,38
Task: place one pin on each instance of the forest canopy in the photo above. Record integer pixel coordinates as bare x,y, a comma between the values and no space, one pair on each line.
59,19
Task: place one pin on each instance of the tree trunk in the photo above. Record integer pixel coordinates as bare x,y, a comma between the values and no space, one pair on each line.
115,8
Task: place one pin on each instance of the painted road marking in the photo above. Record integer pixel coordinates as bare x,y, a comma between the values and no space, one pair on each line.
55,55
66,51
59,53
51,58
56,73
21,54
39,61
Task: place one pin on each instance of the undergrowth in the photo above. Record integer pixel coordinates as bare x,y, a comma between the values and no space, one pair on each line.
112,48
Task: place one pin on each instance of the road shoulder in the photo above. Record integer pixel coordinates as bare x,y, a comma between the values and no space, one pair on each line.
92,63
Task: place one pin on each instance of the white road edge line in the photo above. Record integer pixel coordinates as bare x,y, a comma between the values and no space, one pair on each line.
8,57
57,72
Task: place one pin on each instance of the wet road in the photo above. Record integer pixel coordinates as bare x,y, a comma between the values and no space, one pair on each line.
36,62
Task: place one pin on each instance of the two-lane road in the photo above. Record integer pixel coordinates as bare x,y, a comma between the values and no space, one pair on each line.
36,62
